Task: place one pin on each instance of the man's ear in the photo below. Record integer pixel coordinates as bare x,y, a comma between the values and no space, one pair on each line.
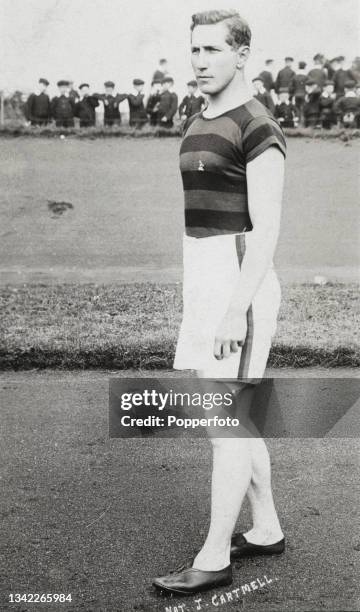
242,55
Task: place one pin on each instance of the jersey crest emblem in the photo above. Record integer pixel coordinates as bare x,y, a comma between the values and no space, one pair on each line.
201,166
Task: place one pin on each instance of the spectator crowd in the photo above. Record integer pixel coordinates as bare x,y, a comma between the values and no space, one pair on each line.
326,95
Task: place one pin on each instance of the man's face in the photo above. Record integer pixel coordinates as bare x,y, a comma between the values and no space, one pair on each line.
42,87
309,88
63,89
258,85
84,91
213,60
191,90
335,65
138,88
329,89
156,88
166,86
284,96
109,91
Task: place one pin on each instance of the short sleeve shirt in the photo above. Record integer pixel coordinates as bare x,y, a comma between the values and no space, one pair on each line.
213,158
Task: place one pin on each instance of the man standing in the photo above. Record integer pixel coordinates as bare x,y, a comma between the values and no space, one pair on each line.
168,104
153,102
318,73
312,104
37,109
111,103
341,76
267,75
285,75
63,106
297,89
232,165
85,108
262,94
138,116
192,103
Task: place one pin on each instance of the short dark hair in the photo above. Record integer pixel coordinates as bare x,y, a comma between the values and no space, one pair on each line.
239,32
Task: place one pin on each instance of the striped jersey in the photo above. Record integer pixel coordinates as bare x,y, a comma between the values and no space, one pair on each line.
213,157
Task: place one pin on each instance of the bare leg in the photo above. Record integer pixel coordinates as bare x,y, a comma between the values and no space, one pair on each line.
230,480
266,527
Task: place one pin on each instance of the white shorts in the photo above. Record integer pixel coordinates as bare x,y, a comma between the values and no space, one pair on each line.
211,271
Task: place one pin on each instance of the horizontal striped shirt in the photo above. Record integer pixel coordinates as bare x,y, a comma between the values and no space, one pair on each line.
213,157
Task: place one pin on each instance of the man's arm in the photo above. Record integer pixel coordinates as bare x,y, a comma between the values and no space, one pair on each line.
265,178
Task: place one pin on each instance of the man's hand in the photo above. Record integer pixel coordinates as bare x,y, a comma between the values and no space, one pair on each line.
164,119
230,334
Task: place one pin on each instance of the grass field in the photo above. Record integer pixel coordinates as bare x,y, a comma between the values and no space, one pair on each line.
122,211
136,325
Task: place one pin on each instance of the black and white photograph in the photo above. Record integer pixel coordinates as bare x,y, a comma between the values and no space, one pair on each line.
179,290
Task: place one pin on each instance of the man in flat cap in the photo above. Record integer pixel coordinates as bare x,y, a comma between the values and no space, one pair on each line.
318,73
63,106
285,110
267,75
192,103
312,104
347,108
138,116
37,108
85,107
341,76
152,105
285,75
327,100
111,103
262,94
297,90
168,104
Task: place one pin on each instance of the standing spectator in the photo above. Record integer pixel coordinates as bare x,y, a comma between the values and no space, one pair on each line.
153,102
85,107
162,71
72,92
111,103
341,76
138,116
297,90
332,66
347,108
327,101
192,103
285,75
37,108
168,104
262,94
285,111
318,73
355,69
267,75
63,107
312,104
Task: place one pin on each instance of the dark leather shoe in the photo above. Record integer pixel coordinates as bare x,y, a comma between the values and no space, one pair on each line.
192,580
240,547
